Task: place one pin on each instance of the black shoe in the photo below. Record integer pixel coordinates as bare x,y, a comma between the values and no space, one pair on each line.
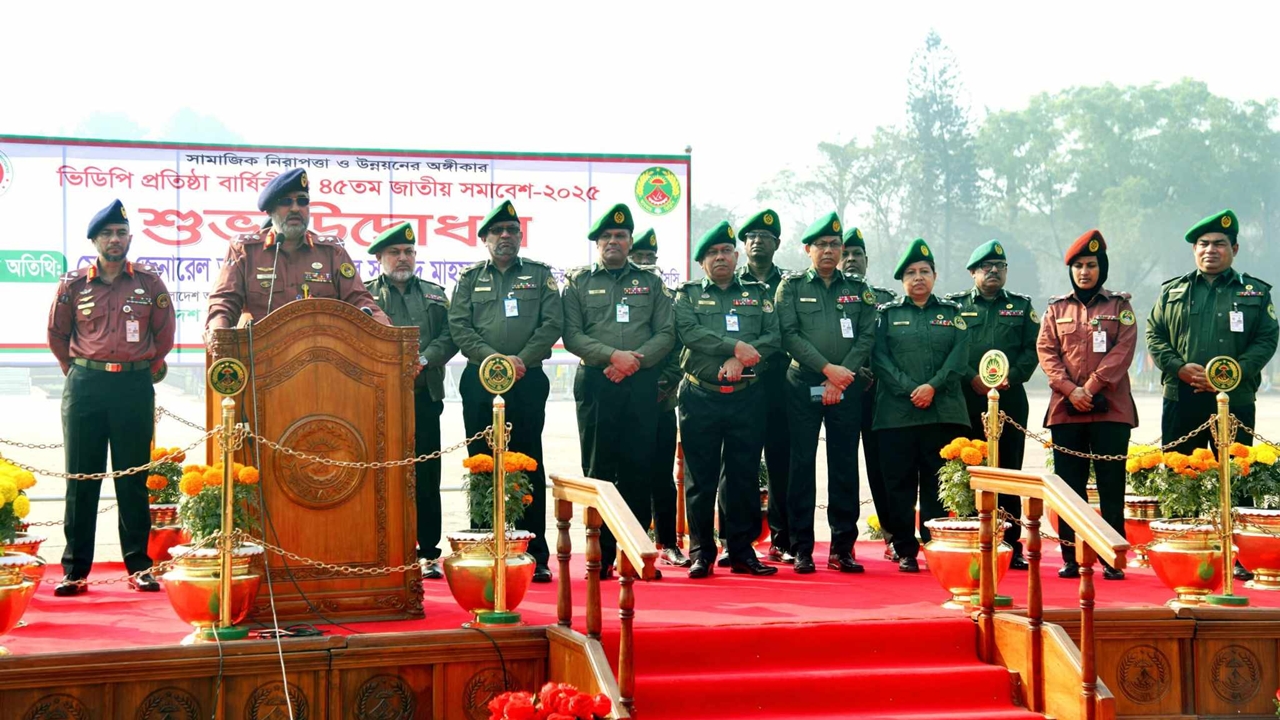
146,582
1018,563
1110,573
908,565
890,554
542,574
724,561
70,585
804,564
1240,573
673,556
777,554
431,570
843,562
752,567
699,569
1069,570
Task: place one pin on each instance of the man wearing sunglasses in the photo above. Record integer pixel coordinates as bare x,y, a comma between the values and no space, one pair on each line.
268,269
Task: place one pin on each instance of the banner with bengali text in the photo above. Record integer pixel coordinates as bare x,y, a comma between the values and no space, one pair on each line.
187,202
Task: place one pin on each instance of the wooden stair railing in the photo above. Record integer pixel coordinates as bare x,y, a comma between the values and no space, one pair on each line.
603,505
1094,539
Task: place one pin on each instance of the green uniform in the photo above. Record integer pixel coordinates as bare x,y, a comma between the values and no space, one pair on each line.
663,486
1007,323
917,346
721,422
867,437
423,305
824,324
606,311
517,312
1192,322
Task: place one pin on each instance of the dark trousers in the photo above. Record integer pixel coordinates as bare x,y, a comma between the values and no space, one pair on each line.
102,410
910,462
777,450
1013,402
527,413
842,422
723,438
617,428
426,483
1098,438
871,454
1189,411
662,485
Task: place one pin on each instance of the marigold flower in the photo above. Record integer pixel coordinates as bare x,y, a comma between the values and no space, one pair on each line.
526,500
22,478
8,491
1132,465
21,506
873,522
1265,454
248,476
971,456
1176,461
1242,465
157,453
981,445
1188,473
193,468
213,477
1238,450
1202,454
478,464
1150,460
191,483
949,451
157,482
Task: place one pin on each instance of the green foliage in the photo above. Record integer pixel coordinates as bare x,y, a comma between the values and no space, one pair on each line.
9,522
171,494
1188,497
953,489
201,514
479,489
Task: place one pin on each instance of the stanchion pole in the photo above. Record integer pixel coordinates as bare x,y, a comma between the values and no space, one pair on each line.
993,371
1224,498
499,505
228,508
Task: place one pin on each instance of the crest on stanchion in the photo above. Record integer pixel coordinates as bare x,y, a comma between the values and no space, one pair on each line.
993,368
1223,373
228,376
497,374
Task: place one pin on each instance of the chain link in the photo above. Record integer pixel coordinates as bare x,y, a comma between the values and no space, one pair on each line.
160,410
1004,515
486,433
156,569
30,446
114,473
1004,418
54,523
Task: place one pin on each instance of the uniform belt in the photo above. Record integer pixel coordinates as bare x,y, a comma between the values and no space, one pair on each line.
716,387
113,366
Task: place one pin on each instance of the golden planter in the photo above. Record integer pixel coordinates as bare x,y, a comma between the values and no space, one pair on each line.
469,569
193,583
165,532
17,586
1187,557
1139,511
955,557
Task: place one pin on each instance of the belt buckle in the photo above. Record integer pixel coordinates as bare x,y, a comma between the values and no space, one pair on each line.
113,367
726,389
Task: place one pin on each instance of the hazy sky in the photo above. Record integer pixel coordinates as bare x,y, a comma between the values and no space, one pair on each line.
751,86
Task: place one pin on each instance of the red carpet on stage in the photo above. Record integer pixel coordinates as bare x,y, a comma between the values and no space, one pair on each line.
707,648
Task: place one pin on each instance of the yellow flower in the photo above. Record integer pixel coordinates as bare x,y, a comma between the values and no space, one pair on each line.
21,506
213,477
1242,465
8,491
1203,454
971,456
177,456
1132,465
193,468
982,446
1265,454
1176,461
873,522
157,453
22,478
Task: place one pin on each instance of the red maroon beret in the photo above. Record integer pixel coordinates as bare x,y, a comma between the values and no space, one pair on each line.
1090,243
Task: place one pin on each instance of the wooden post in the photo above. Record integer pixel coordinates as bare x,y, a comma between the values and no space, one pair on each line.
987,578
626,617
594,617
564,549
1086,556
1033,508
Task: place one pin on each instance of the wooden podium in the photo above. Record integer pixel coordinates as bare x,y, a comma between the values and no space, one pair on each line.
329,381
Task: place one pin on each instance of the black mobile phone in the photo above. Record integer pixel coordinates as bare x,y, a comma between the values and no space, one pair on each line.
748,372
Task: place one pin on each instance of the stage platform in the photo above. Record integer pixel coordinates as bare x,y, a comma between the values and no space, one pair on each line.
676,619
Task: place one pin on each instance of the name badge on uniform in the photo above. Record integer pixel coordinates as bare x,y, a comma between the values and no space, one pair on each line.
1237,321
731,322
511,307
846,327
1099,341
623,313
133,331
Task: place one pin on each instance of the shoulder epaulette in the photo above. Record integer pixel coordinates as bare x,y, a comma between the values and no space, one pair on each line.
892,303
1059,298
952,303
249,238
145,269
1173,280
1120,294
877,288
475,266
955,295
574,272
328,240
76,274
1252,279
531,261
1020,296
432,284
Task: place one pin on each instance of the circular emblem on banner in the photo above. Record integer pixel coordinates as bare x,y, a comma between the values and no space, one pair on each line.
227,376
993,368
1224,373
658,191
1226,221
768,219
158,376
1093,246
6,173
497,374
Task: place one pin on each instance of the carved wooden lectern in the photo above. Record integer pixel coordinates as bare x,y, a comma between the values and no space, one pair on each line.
326,380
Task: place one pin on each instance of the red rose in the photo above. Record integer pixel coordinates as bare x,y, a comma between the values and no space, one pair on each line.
559,716
603,706
519,707
581,706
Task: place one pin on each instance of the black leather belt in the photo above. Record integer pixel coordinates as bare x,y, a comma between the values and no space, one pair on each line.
717,388
112,367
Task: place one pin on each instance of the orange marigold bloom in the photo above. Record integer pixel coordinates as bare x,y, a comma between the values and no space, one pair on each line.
1202,454
157,453
526,499
949,451
157,482
1150,460
981,445
971,456
193,468
1242,466
178,456
1188,473
479,464
1239,450
213,477
1176,461
248,475
191,484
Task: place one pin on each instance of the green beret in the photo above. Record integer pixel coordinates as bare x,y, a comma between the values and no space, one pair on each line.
717,235
617,218
646,240
853,238
828,224
989,250
401,234
503,213
766,220
918,250
1224,222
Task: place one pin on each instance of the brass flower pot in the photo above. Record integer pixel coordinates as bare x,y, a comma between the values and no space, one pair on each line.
165,532
26,543
1187,557
17,586
469,569
193,584
1139,511
1257,534
955,557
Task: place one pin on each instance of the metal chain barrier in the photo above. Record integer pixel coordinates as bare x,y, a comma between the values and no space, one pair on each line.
53,523
1004,515
164,411
30,446
1004,418
486,433
114,473
157,569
